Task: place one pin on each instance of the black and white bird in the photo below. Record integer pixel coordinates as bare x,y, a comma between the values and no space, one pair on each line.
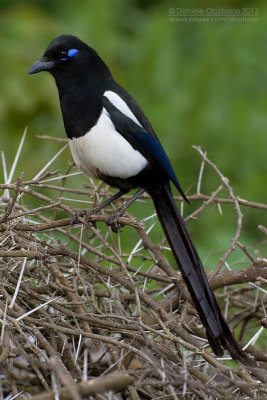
111,139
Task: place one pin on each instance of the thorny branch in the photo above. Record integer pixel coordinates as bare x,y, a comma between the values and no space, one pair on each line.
87,316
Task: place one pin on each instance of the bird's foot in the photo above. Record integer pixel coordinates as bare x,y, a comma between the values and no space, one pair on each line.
86,214
112,221
76,215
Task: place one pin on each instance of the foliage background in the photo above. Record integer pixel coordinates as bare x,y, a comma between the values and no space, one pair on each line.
199,83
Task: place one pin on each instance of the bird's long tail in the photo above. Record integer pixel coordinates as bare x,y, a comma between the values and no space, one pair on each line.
217,330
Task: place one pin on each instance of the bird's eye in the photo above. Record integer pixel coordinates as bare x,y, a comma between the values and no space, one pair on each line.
64,54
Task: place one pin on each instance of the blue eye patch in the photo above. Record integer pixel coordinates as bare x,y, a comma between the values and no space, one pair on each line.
72,52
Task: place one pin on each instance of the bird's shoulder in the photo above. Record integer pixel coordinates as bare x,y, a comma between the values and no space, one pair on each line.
125,103
130,121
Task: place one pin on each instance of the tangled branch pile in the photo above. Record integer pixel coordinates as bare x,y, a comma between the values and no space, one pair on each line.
83,317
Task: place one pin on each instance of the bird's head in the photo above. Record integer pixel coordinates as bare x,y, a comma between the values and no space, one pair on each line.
66,57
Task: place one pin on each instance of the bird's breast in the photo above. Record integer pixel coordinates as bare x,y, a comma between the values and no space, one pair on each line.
103,149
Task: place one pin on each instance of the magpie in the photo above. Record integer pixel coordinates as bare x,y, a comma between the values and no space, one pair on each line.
111,139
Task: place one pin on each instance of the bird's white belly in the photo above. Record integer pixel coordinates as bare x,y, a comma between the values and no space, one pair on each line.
105,150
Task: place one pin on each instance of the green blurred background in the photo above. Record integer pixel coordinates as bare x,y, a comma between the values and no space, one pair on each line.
199,83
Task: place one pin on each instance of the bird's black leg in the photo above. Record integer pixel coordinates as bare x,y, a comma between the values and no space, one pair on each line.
113,219
87,213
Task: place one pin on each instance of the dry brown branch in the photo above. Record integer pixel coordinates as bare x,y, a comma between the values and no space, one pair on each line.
83,316
112,382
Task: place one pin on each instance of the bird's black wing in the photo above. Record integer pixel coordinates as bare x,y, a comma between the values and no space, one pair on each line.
218,332
135,108
148,145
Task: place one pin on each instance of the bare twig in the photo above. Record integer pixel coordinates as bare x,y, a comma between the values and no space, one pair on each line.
73,307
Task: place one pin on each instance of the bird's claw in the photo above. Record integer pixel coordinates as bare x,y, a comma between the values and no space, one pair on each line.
86,214
76,215
112,221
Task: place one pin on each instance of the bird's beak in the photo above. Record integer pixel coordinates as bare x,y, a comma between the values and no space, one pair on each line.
41,65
